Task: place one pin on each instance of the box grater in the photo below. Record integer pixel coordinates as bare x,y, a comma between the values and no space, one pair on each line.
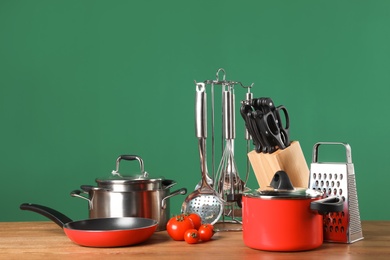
338,179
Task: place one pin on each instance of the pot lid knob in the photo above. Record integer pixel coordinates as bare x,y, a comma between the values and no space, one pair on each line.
281,181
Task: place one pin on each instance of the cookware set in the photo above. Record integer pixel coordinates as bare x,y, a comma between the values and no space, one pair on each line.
287,213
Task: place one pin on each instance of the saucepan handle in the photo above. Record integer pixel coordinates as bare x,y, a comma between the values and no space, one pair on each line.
330,204
77,193
181,191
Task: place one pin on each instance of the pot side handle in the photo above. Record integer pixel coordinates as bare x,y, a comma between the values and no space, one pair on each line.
77,193
330,204
181,191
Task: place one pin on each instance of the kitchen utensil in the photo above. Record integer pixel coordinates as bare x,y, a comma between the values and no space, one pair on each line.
248,137
250,125
338,179
268,125
99,232
130,196
229,185
285,218
202,86
203,201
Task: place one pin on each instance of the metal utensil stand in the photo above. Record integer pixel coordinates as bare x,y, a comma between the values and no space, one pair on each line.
226,180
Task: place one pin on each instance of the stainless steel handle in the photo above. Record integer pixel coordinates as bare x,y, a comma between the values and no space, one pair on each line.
130,158
347,149
228,115
201,111
181,191
77,193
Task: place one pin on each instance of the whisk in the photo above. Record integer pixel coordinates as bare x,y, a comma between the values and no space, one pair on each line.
229,186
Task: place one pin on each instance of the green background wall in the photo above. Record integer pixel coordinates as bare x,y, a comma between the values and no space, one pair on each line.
82,82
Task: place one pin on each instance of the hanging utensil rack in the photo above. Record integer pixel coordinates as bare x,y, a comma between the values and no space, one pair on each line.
232,208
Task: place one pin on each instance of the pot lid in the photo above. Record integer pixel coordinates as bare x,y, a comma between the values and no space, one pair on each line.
141,181
281,187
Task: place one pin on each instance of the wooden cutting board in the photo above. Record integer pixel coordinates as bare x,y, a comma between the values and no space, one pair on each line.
291,160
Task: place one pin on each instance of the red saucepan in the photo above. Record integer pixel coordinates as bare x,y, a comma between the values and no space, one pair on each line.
284,218
99,232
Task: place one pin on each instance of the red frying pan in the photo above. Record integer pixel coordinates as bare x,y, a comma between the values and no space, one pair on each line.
99,232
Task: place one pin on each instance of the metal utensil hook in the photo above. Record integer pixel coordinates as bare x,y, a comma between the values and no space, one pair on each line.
217,74
248,87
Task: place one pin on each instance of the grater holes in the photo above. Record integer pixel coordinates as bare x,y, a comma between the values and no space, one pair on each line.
330,184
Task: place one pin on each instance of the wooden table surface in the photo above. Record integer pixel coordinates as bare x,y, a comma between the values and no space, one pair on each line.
45,240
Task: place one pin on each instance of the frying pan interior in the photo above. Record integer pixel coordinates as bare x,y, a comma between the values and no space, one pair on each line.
99,232
110,224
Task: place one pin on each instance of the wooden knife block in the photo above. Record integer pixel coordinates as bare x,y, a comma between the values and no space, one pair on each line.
291,160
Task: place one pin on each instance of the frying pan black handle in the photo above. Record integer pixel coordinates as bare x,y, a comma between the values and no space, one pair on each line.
330,204
57,217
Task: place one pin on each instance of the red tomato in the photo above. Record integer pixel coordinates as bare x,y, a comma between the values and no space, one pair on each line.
191,236
196,220
206,232
177,226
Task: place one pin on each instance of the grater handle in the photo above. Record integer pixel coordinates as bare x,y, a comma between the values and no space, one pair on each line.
347,149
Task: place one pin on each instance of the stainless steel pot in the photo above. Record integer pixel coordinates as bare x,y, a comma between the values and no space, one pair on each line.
130,196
